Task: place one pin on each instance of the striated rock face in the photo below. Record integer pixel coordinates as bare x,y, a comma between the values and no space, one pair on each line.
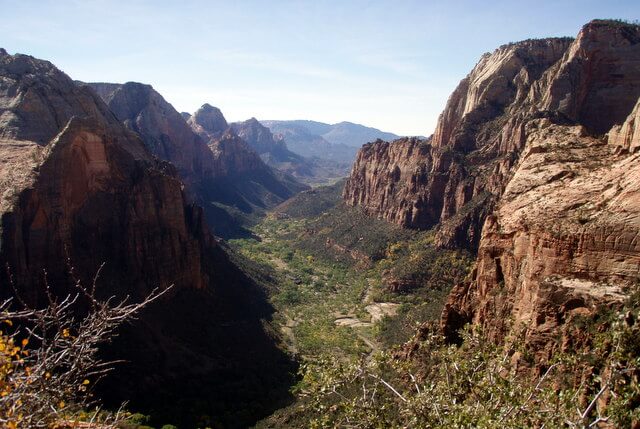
163,130
78,186
456,175
627,135
597,82
481,133
520,167
562,239
497,84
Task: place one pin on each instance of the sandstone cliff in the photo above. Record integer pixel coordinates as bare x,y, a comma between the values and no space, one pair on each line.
563,237
163,130
533,160
231,154
208,122
78,186
454,177
214,172
627,135
259,137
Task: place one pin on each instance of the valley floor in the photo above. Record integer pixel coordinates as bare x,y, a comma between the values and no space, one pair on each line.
332,273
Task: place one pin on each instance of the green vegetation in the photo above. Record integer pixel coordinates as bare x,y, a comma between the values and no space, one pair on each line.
311,292
331,272
477,385
397,371
312,203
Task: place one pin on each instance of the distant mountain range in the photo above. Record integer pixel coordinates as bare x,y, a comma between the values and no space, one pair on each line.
333,142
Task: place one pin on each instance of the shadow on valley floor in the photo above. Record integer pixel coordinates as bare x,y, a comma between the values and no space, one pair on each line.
223,369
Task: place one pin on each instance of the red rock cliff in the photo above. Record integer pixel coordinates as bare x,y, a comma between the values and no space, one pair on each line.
77,185
564,235
454,177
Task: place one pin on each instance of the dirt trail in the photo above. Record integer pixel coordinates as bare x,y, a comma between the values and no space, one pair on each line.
287,331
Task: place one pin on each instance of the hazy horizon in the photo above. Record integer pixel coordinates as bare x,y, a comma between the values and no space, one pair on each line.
387,65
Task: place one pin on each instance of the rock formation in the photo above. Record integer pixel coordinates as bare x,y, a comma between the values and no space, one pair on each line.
273,151
454,177
537,148
78,188
208,122
214,172
259,137
627,135
242,179
563,237
163,130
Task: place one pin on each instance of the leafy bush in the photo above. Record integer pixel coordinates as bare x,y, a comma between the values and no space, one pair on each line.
48,358
433,384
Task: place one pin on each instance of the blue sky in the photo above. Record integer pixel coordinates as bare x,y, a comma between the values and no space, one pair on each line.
387,64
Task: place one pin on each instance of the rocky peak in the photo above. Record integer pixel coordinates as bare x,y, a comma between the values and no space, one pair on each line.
39,85
85,160
592,80
454,179
78,185
258,136
560,240
162,128
208,122
560,243
498,80
234,156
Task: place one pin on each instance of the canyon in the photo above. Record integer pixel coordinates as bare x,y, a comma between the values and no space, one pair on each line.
221,173
518,218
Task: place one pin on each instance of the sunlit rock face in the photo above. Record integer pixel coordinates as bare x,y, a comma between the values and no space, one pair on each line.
562,238
455,176
533,164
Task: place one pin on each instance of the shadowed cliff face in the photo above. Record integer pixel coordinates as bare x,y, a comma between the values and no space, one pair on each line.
208,122
77,185
217,168
519,166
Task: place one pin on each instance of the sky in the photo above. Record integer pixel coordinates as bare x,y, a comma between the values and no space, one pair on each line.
386,64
